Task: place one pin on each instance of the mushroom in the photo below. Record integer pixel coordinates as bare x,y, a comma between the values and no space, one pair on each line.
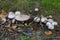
11,15
36,19
17,13
49,17
49,25
44,19
55,23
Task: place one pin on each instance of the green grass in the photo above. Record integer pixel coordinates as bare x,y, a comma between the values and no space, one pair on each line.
24,38
50,6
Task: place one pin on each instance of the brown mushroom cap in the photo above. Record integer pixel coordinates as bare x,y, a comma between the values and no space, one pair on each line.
50,16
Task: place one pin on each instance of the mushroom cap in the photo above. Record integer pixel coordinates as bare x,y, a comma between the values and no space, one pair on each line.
36,19
17,13
50,16
50,20
49,25
11,12
54,23
44,19
11,15
36,9
22,17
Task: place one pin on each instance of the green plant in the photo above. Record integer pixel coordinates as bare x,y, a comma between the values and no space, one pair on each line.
24,37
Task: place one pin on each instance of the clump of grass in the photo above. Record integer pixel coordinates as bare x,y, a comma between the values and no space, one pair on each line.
24,37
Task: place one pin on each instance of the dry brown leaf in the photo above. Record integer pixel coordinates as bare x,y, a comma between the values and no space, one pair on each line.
48,33
9,30
14,26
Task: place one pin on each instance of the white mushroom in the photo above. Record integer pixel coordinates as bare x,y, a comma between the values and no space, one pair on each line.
22,17
54,23
36,19
50,20
49,25
43,19
11,15
36,9
17,13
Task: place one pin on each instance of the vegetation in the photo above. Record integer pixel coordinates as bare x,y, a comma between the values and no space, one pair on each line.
24,38
50,6
47,7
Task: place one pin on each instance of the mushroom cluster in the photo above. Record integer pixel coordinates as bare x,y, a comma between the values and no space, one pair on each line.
50,23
